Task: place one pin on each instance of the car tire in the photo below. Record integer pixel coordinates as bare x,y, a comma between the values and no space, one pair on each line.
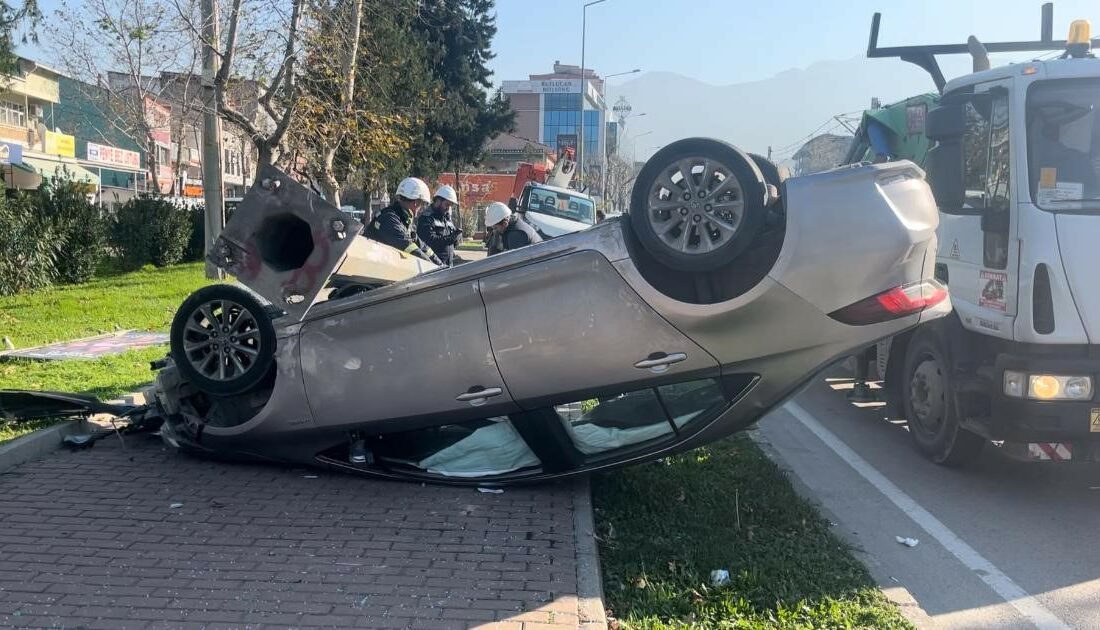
231,354
768,169
930,407
695,221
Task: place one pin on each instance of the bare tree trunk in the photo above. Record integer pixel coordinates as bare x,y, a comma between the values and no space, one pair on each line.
329,183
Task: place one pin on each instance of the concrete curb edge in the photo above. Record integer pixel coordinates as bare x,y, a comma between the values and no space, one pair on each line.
37,444
590,608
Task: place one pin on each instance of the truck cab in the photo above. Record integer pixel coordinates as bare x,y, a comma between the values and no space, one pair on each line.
553,210
1013,159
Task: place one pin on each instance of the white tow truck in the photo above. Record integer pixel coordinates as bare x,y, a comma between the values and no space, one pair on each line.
1014,165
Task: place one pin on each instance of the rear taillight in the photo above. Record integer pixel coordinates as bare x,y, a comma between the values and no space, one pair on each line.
892,304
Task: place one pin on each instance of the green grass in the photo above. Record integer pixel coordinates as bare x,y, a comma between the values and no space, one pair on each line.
663,527
471,245
143,300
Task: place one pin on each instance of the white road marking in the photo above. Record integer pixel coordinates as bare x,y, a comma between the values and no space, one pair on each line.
1001,584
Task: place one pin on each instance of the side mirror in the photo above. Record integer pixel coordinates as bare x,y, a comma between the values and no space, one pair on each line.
944,166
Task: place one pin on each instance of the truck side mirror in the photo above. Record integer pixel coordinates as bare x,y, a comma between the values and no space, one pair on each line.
944,165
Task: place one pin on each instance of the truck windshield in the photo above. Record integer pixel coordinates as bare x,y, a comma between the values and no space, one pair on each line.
1063,129
560,204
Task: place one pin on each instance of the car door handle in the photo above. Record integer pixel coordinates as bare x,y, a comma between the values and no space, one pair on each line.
659,361
479,396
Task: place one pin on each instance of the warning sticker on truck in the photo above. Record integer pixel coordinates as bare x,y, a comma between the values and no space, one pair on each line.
993,290
1094,420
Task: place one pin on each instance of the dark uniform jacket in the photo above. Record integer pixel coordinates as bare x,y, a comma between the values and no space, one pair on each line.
394,227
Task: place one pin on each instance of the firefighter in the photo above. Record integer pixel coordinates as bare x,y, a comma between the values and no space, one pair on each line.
394,224
435,227
514,232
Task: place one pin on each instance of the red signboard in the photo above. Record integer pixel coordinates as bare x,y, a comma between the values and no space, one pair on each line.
475,189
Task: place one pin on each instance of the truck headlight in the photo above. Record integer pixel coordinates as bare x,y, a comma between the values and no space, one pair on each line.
1047,386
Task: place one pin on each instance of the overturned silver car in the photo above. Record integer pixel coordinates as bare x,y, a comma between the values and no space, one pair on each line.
720,294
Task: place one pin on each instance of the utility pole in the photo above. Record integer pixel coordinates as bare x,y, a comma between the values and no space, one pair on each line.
211,137
769,153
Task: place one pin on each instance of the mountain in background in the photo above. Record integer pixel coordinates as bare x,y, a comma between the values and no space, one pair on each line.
783,111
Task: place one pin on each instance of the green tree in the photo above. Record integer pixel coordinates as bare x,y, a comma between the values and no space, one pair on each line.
360,104
17,24
462,114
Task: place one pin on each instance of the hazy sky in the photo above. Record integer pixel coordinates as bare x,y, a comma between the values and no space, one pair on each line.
730,41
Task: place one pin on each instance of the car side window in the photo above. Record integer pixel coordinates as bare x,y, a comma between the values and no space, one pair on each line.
604,425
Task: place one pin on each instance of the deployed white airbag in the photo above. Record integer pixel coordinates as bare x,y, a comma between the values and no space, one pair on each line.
493,450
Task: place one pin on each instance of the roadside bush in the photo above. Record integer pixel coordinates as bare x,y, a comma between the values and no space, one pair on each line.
28,247
196,247
150,229
80,228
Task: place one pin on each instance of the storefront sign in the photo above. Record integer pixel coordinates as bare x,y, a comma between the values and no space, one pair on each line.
192,190
60,144
475,189
113,156
11,153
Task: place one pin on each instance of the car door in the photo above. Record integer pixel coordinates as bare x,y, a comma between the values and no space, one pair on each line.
569,328
423,355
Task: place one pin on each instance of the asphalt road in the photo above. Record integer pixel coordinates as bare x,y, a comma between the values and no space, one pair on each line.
1001,545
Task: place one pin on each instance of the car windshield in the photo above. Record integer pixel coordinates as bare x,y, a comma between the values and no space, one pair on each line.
560,204
1063,121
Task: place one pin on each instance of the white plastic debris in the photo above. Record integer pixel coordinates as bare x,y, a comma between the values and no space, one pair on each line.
176,506
719,577
908,542
309,476
491,490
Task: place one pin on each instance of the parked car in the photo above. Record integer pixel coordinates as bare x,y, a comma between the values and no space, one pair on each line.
714,300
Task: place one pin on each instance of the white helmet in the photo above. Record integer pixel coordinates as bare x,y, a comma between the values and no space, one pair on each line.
447,193
413,188
496,212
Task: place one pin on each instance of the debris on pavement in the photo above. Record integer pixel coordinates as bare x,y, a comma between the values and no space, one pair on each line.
908,542
491,490
176,506
78,441
719,577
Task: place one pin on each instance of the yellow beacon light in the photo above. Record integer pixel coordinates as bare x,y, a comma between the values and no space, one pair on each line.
1080,38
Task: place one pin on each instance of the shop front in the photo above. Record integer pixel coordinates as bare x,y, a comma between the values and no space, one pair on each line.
119,172
16,174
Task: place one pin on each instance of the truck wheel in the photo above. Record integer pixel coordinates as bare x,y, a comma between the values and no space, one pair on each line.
934,422
222,340
697,204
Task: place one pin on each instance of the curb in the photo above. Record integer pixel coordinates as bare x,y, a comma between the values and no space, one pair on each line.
34,445
590,610
45,441
895,593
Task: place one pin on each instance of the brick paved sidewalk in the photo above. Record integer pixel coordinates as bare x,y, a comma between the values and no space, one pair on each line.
90,539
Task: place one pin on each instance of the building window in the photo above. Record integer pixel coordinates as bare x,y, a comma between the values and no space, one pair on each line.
13,114
561,117
162,155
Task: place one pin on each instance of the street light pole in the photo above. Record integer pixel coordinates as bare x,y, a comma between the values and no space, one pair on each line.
584,93
605,173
